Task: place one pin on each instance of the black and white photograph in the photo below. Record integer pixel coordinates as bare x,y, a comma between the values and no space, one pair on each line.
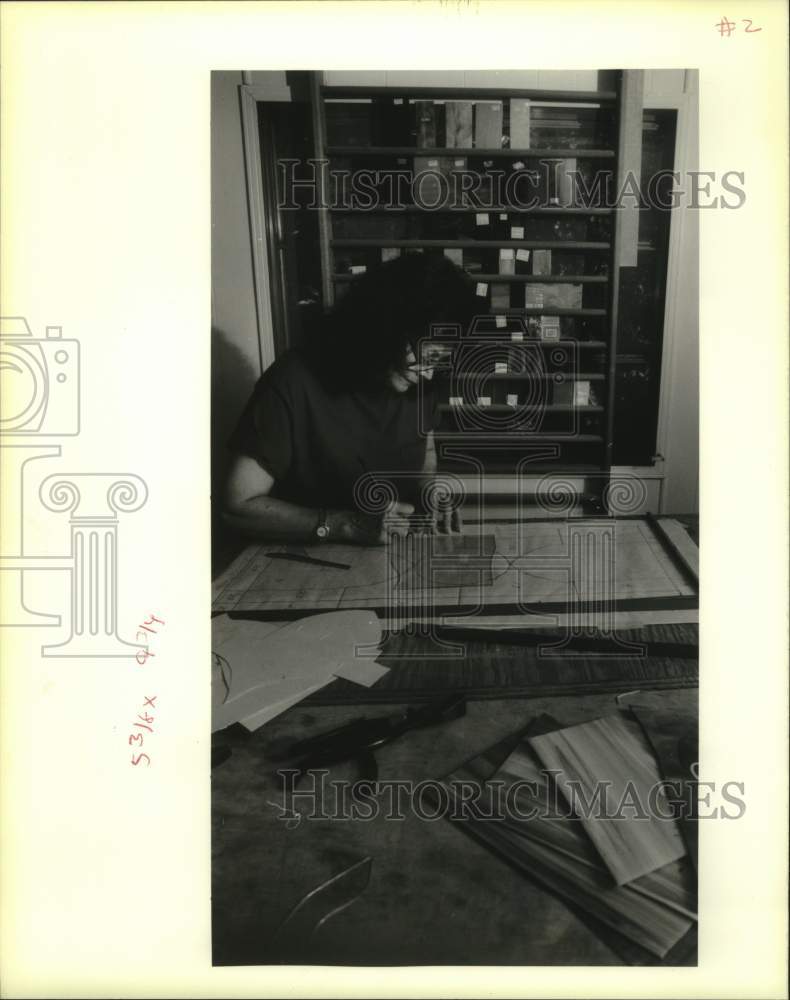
455,517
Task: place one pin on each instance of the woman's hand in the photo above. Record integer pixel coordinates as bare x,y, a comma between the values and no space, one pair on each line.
447,522
444,521
440,512
409,373
370,529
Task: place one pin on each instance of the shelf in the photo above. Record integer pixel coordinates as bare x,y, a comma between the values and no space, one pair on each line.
505,341
596,345
507,450
483,244
474,94
544,279
470,244
499,436
508,469
465,210
547,311
472,152
504,279
504,408
522,376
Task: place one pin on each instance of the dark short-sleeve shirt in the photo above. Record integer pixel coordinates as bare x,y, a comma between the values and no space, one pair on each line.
316,443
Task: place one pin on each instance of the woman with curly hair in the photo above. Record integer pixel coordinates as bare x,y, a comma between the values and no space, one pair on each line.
346,406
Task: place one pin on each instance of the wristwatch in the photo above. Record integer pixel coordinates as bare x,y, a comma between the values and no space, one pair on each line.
322,528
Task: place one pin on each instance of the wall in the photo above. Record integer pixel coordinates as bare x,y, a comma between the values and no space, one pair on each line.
235,355
540,79
235,358
658,82
678,430
235,349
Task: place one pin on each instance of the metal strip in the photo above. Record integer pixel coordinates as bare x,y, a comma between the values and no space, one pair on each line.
687,570
324,221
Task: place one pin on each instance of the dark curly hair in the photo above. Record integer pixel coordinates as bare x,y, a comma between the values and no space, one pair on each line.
368,331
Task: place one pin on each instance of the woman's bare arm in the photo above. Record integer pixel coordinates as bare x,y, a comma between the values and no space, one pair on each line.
251,509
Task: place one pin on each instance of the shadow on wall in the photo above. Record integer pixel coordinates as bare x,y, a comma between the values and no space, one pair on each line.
232,381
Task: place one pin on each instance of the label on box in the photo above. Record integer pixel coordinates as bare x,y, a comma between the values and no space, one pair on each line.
358,268
398,100
503,216
522,255
500,367
517,232
433,163
456,400
512,399
507,254
481,289
501,322
481,219
581,393
541,262
483,400
518,165
517,335
459,163
550,328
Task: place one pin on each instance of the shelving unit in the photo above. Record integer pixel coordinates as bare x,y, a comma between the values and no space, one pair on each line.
478,152
579,244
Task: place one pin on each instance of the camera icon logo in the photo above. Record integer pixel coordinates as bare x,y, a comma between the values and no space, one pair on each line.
39,381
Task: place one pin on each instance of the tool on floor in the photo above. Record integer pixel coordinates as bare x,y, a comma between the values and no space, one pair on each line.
317,907
357,739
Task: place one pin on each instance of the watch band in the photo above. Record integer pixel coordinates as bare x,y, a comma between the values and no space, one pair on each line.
322,528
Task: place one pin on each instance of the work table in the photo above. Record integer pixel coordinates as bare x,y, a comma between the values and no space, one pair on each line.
423,891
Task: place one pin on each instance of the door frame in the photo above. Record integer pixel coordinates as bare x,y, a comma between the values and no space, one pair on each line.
682,228
249,96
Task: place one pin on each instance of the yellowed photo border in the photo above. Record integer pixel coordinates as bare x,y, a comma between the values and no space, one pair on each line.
106,234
